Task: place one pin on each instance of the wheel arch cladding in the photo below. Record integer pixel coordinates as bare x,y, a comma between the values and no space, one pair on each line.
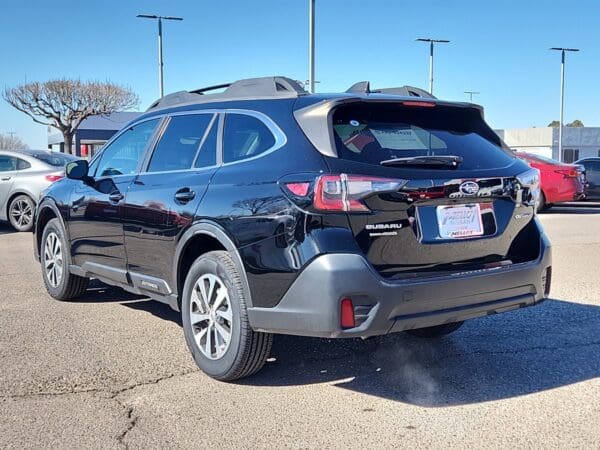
199,239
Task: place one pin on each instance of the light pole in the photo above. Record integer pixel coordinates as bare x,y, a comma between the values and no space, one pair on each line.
431,44
160,52
471,94
311,46
562,51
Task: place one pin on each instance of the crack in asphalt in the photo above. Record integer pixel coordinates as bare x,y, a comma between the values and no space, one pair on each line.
114,394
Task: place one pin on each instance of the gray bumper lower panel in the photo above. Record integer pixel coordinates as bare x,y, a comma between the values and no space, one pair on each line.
311,307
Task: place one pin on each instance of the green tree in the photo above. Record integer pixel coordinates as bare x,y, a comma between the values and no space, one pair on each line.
64,104
576,124
554,124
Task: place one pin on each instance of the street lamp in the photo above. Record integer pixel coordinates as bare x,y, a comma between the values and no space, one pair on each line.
562,51
160,52
471,94
431,44
311,46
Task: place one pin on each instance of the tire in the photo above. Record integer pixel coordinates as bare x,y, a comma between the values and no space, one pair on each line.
21,213
542,205
246,350
436,331
55,260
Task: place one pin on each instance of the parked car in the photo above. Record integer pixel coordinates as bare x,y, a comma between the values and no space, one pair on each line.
265,209
559,182
24,174
592,176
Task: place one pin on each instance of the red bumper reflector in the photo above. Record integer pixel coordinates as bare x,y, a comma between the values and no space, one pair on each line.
347,314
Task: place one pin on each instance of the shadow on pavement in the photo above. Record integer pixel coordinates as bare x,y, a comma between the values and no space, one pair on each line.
527,351
570,210
5,228
513,354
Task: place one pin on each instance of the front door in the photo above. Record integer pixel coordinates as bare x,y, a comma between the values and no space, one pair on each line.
162,201
96,206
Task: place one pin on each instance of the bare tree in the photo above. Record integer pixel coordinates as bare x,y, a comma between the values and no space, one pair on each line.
11,142
64,104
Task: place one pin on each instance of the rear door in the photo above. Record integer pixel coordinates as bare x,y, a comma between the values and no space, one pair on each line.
162,201
446,216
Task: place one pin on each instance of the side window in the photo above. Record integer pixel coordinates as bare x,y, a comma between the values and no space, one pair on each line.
122,156
244,137
179,143
7,163
22,164
208,150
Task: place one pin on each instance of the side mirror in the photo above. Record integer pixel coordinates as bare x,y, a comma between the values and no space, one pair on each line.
77,170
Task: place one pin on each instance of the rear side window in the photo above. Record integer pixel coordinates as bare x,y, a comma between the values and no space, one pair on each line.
22,164
245,137
375,132
180,142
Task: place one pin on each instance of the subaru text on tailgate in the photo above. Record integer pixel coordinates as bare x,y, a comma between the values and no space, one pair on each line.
263,209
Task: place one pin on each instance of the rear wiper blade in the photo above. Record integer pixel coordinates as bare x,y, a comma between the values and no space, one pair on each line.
441,161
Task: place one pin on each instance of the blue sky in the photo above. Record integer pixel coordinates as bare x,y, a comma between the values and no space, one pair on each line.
498,48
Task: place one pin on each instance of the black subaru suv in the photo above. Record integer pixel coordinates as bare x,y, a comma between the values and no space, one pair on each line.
263,209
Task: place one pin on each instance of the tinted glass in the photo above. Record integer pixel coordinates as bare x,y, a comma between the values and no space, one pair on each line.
179,144
54,159
122,156
7,163
372,133
208,151
22,164
245,137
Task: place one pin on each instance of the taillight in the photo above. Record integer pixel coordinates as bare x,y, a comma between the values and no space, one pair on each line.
299,189
568,173
345,192
53,177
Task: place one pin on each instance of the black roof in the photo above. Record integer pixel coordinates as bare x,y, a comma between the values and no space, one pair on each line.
278,87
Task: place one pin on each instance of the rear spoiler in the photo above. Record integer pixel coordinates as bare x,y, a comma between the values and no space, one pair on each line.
315,120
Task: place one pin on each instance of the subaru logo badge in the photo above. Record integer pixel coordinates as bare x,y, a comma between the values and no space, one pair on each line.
469,188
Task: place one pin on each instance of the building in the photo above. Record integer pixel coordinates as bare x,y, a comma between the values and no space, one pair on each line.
577,142
93,133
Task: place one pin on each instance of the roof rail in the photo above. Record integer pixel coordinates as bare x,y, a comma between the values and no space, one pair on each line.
364,87
247,88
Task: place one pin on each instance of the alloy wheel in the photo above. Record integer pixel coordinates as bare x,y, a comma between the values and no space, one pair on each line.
211,316
22,213
53,259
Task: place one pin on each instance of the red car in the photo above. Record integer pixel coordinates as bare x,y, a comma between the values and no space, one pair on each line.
559,182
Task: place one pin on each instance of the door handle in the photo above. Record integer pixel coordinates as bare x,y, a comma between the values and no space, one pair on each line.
5,178
115,197
184,195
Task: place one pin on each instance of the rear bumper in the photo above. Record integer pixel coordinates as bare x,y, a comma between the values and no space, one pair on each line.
311,307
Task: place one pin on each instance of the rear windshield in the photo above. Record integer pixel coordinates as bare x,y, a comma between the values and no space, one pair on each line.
54,159
375,132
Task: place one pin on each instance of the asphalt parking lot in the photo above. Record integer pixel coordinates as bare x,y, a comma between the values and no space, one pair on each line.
112,370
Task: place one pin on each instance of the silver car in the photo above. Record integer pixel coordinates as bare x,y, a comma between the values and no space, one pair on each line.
23,175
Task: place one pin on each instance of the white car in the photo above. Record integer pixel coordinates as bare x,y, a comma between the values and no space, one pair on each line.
23,175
